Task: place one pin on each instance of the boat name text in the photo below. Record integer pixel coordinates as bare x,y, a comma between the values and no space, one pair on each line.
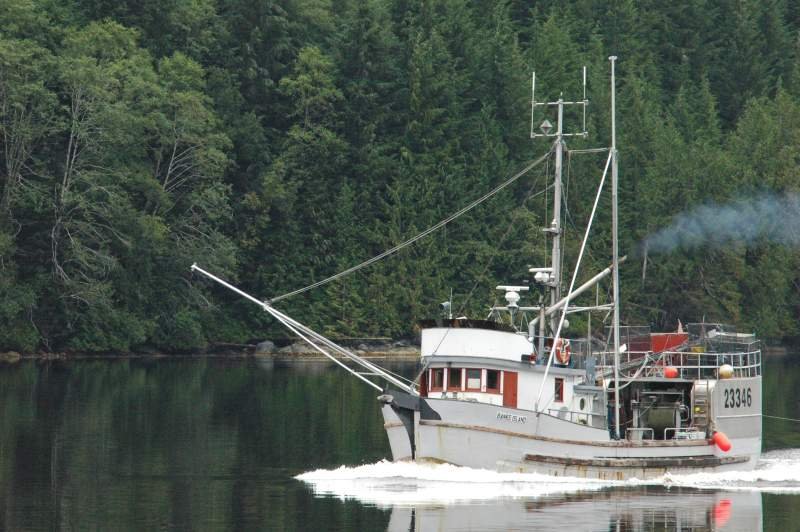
513,418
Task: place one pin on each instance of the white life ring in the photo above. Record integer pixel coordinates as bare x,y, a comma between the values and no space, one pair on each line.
563,351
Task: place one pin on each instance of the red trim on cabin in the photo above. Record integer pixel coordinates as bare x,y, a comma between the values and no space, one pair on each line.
510,389
423,384
451,373
437,379
558,396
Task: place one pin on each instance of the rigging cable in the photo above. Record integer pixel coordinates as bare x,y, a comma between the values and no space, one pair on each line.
421,235
546,215
567,213
563,227
557,335
783,418
528,196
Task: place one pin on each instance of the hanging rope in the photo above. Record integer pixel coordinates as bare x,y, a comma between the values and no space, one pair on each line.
419,236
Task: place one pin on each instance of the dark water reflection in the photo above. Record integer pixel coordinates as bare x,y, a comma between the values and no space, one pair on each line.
618,510
214,444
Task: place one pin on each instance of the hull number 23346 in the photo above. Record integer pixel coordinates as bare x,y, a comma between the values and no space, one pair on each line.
738,397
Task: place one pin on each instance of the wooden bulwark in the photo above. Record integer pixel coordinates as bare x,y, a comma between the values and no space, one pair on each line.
662,462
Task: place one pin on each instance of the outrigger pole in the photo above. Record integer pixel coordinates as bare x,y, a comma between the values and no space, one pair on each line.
309,336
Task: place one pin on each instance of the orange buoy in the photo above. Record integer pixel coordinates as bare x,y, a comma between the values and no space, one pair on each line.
722,441
671,372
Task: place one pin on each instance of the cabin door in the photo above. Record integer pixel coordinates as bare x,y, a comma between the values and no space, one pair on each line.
510,389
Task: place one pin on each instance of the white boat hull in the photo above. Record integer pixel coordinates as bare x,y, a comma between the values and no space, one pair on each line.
493,437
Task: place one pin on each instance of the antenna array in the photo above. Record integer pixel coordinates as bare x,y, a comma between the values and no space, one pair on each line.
546,126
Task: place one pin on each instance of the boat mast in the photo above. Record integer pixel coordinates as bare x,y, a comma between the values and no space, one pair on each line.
555,225
550,278
615,245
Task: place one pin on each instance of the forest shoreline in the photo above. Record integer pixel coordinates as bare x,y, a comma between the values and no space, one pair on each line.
277,144
12,357
406,354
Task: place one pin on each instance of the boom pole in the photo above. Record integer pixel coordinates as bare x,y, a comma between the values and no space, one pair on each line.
313,338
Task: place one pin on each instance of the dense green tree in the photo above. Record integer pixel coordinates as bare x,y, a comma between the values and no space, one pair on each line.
278,142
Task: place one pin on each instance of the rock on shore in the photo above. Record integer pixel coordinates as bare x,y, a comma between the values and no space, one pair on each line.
400,348
10,357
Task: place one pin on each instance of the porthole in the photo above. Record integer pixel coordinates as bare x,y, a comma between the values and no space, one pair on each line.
583,403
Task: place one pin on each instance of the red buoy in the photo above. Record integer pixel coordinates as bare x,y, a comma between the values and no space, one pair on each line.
671,372
722,441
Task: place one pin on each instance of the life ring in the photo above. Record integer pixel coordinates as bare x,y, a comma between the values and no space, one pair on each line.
563,351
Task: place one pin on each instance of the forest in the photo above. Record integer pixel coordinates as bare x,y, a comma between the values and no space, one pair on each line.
276,143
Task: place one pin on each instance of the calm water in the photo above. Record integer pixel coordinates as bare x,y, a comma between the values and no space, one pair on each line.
215,444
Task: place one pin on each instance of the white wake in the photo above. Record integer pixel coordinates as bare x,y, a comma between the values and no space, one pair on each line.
396,483
777,471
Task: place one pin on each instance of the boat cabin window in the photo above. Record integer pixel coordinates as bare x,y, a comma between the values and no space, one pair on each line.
492,381
464,379
454,379
473,379
437,379
559,391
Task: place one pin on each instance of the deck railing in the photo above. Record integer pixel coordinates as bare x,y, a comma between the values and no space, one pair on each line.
593,419
690,365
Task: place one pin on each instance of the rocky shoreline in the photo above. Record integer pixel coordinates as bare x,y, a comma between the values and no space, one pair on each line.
393,350
400,349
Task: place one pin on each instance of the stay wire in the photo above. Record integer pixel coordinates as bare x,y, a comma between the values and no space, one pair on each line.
489,262
528,196
567,212
421,235
783,418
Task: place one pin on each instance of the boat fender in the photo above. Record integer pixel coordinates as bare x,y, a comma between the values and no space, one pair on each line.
722,441
563,351
671,372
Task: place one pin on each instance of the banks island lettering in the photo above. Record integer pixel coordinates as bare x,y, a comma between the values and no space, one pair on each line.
513,418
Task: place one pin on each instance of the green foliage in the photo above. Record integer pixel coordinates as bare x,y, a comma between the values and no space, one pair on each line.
278,143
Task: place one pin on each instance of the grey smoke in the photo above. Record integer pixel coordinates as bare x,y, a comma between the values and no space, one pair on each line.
765,217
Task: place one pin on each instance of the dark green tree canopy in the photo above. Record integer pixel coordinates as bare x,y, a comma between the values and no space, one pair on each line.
280,141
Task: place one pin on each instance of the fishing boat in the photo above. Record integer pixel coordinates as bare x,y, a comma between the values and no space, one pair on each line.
512,393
